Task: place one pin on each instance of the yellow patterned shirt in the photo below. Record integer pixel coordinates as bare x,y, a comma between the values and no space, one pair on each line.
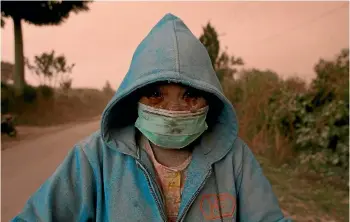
171,179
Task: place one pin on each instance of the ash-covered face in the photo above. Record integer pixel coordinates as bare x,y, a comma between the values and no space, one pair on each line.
174,97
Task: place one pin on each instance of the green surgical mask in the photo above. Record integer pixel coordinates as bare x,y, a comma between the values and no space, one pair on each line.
171,129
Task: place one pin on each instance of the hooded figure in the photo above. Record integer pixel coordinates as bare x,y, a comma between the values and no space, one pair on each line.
167,149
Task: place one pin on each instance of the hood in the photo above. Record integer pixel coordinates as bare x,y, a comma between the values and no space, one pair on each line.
170,52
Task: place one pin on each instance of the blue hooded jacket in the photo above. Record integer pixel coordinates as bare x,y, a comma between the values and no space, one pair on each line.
107,177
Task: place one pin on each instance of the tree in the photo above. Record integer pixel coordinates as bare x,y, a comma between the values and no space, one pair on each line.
332,78
223,64
209,39
51,69
315,119
36,13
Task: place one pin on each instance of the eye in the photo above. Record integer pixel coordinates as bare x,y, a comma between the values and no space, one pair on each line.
153,93
156,93
191,93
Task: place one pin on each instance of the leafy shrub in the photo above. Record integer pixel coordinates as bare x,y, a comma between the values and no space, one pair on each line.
7,98
29,94
46,91
317,121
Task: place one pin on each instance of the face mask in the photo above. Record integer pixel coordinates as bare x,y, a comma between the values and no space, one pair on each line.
171,129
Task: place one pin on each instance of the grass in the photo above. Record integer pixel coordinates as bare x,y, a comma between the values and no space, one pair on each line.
306,199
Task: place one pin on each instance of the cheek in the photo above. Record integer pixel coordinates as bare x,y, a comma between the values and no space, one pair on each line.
196,103
192,104
144,100
154,102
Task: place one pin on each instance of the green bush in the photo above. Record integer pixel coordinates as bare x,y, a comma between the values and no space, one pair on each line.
289,118
316,122
7,98
46,91
313,129
29,94
327,129
10,102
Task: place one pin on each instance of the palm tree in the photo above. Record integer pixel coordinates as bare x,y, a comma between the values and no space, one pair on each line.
36,13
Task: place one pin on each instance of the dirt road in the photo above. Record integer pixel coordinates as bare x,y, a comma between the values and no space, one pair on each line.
27,164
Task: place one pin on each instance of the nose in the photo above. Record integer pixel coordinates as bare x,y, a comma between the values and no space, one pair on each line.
176,105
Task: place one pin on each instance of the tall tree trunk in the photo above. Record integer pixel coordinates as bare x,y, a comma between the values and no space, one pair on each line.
18,77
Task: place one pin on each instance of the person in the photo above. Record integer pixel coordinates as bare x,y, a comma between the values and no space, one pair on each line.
167,148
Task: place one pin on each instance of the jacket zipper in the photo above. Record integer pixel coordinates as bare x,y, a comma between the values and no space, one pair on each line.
159,205
181,219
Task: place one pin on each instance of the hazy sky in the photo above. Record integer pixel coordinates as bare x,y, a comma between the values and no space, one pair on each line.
287,37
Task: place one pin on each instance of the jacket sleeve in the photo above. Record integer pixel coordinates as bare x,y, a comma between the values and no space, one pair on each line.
66,196
256,199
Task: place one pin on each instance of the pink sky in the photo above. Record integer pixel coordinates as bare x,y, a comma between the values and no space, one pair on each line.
287,37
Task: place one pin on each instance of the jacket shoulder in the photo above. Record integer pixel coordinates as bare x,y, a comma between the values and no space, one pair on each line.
93,147
239,151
